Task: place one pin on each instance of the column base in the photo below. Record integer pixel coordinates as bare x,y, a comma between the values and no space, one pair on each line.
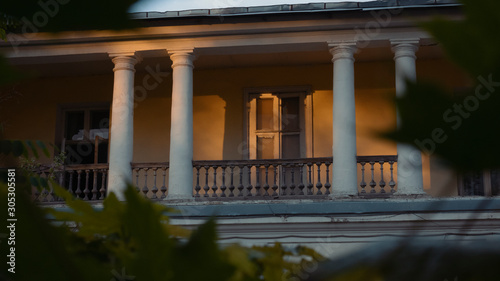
343,195
414,193
179,197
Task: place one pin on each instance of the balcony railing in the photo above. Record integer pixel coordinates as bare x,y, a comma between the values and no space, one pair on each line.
232,180
263,178
148,176
87,182
287,178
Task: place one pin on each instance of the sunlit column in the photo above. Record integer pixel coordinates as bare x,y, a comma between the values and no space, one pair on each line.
344,181
180,182
410,180
122,118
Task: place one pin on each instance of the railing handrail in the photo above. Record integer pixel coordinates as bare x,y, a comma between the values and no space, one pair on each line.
135,165
376,158
360,158
75,167
260,161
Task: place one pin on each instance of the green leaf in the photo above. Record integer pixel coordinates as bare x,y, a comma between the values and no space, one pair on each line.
19,149
70,15
202,250
245,268
5,147
459,128
44,182
151,243
30,144
43,147
468,42
442,125
14,148
8,73
45,252
3,34
91,222
34,182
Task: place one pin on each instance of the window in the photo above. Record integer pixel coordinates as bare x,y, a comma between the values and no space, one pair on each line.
279,123
84,132
485,183
480,183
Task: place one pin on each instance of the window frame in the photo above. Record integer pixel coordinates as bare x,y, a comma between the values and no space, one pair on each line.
60,131
487,185
250,118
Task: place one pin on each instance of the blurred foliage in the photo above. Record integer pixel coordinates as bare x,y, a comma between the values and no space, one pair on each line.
25,154
67,15
20,20
8,74
8,24
131,240
460,128
416,261
32,168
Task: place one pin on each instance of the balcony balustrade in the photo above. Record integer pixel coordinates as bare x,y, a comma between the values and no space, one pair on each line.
230,179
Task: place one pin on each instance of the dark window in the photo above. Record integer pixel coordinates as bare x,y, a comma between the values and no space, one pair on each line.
481,183
85,134
473,184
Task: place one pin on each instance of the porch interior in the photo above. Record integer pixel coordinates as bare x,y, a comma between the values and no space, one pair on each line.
221,76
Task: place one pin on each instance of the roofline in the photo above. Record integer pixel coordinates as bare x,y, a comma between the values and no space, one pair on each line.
296,8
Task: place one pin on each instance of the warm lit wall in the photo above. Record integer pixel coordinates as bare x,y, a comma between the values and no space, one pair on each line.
218,107
32,113
152,121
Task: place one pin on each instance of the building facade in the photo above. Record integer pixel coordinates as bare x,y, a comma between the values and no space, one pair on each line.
267,117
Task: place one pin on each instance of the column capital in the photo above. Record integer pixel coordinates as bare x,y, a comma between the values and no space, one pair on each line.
125,60
183,57
405,48
342,50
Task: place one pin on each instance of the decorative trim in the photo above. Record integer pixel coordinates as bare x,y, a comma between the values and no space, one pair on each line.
182,57
405,48
125,61
415,41
279,89
342,50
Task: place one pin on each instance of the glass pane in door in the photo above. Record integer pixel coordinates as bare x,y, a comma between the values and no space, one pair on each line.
290,149
75,125
265,147
290,146
265,114
290,114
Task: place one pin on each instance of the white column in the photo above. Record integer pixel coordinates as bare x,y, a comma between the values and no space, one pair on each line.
180,182
410,180
122,118
344,181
